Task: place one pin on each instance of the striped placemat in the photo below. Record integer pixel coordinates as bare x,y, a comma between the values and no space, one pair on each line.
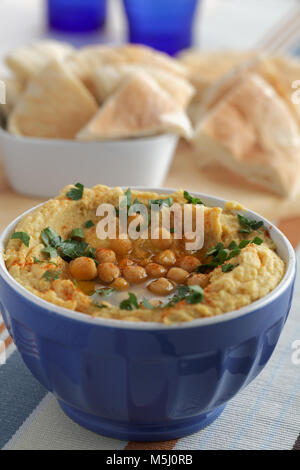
266,415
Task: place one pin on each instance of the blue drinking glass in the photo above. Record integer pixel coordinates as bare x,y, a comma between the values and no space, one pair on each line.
76,15
165,25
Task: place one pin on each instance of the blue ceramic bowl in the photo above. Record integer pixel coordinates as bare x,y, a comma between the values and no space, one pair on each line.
145,382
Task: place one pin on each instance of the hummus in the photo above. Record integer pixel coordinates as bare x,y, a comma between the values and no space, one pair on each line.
56,254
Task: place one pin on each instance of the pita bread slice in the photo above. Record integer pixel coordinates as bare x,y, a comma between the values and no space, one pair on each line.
281,73
253,133
143,55
108,78
225,85
11,89
138,108
85,61
27,61
204,68
54,105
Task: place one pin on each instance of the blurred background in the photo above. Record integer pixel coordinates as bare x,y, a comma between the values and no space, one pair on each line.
203,26
163,24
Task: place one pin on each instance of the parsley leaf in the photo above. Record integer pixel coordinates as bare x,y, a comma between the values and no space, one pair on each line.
105,291
126,201
226,268
52,252
192,200
147,304
196,295
71,249
23,236
220,255
89,224
51,238
192,295
248,226
207,267
51,275
233,245
52,242
161,202
77,233
91,253
99,305
244,243
214,250
131,303
76,193
257,240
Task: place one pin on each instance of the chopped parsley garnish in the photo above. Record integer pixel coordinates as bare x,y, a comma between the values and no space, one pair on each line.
77,233
226,268
105,291
89,224
192,200
22,236
214,250
51,238
72,249
257,240
191,294
76,193
91,253
126,201
147,304
248,226
244,243
131,303
68,249
99,305
219,255
195,296
161,202
232,245
51,275
207,267
52,252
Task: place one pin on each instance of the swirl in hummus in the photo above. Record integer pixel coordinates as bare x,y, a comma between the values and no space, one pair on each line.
55,254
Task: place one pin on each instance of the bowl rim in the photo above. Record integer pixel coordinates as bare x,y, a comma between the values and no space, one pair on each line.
46,141
200,322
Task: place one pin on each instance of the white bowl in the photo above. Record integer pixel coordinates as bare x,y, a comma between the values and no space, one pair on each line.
41,167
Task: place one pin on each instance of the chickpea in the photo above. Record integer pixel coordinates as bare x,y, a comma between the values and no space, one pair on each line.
155,270
161,286
108,272
125,262
105,256
189,263
134,274
198,280
120,284
166,258
140,256
164,240
83,269
121,246
178,275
